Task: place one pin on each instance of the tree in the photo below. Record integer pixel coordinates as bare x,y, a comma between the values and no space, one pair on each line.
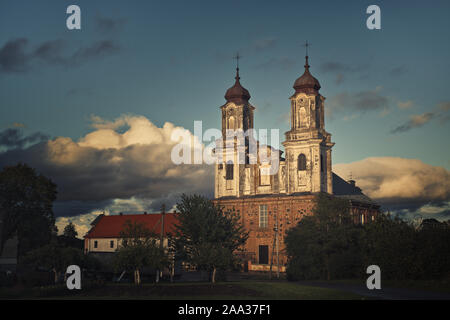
139,249
325,245
405,252
208,237
328,245
390,244
70,231
55,258
26,207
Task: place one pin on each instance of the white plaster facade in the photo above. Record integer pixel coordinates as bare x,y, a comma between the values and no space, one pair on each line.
109,244
307,166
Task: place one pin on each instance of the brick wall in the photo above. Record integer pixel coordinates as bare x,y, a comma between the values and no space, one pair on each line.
289,210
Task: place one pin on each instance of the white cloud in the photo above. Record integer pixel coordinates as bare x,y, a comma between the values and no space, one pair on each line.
405,104
81,222
394,180
128,158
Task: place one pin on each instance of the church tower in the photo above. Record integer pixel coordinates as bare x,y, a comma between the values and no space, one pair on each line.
270,203
308,145
237,117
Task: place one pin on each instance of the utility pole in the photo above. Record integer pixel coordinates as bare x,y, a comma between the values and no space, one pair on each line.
275,245
163,212
161,238
271,256
278,251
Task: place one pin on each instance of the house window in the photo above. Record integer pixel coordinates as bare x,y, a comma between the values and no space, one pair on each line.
301,162
229,173
361,219
111,244
95,244
263,218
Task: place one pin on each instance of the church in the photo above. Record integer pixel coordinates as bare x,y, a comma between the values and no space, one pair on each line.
269,203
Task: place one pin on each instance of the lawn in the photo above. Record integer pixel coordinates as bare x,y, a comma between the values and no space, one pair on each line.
243,290
442,286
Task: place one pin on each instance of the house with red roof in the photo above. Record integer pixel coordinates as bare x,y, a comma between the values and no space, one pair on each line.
104,236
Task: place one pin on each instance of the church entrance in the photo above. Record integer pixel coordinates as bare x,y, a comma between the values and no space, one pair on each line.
263,254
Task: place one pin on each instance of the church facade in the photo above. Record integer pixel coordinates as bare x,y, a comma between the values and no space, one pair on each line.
272,196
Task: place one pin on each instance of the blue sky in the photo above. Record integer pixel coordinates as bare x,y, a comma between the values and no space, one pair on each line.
171,61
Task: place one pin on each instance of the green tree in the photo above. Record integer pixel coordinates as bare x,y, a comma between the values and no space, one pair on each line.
390,243
55,258
405,252
26,207
207,237
139,249
432,250
326,244
70,231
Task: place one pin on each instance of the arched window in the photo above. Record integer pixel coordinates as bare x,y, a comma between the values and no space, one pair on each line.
229,171
231,123
301,162
303,120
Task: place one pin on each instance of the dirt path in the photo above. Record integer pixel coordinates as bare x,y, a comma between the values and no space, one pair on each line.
383,293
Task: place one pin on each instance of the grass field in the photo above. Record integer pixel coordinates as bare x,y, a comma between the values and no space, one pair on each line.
243,290
423,285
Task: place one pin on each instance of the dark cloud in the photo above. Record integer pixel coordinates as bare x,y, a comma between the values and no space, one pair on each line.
340,70
13,138
335,67
51,52
369,100
259,45
444,106
264,43
109,25
98,49
15,58
362,101
277,63
414,122
107,165
398,71
74,207
439,210
339,78
440,113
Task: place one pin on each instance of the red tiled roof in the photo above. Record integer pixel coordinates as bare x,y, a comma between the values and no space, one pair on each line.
110,226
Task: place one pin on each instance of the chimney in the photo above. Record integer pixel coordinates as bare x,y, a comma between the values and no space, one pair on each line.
145,212
121,214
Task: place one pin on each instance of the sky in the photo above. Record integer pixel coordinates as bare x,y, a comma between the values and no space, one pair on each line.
94,108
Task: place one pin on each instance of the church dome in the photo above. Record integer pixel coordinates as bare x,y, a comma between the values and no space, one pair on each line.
306,83
237,93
